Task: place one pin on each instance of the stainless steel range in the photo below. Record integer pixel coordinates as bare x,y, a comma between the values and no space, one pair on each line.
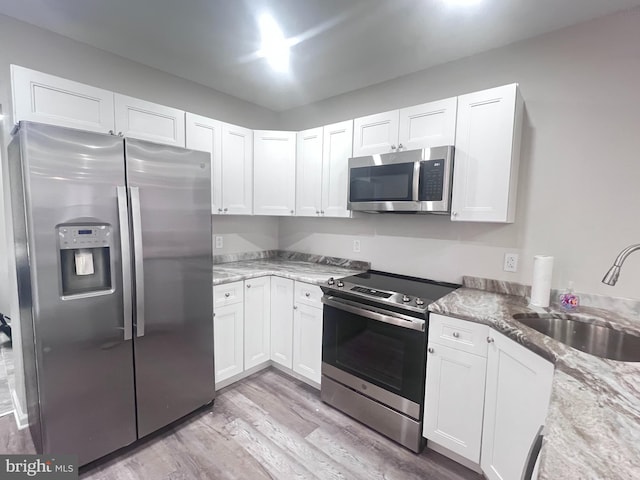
374,345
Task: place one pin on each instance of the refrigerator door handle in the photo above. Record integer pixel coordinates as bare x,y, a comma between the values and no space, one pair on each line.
138,259
123,220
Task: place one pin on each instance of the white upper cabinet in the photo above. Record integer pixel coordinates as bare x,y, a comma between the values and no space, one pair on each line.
421,126
38,97
309,172
237,170
487,155
149,121
517,397
282,321
428,125
274,164
322,166
337,149
376,133
205,134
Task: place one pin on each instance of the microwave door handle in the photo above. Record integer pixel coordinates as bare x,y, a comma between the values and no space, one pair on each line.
416,181
138,259
397,319
125,257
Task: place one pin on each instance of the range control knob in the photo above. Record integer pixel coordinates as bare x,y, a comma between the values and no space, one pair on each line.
331,281
419,302
405,298
340,284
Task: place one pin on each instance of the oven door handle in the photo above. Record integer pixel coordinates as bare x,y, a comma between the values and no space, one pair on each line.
373,313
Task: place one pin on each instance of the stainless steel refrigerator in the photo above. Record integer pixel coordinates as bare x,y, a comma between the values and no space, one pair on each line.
114,265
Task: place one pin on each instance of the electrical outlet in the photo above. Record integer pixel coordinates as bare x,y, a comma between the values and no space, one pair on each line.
510,262
219,242
356,246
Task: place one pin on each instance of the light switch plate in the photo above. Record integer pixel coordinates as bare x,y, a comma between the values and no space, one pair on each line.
219,242
356,246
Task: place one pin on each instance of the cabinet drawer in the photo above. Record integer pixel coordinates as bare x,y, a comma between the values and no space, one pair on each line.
228,294
459,334
308,294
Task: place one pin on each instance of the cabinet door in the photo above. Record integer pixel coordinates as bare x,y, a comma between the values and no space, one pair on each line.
282,321
309,173
149,121
487,155
38,97
516,401
228,340
428,125
274,164
376,133
237,170
338,146
307,341
454,400
257,321
206,134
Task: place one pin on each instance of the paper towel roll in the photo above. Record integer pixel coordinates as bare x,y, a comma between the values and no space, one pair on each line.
541,285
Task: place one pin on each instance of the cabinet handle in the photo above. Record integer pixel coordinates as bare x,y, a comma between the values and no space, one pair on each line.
430,350
111,132
490,340
227,295
456,334
295,307
308,294
400,147
455,214
321,212
226,210
220,210
393,147
248,285
317,212
120,134
292,212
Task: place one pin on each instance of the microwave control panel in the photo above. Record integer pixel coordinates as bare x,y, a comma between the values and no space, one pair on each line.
431,180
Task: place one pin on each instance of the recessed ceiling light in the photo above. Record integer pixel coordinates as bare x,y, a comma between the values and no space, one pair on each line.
461,3
275,47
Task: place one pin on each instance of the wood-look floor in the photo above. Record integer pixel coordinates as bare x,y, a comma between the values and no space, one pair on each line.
268,426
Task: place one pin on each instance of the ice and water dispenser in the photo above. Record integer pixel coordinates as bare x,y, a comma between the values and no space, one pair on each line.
85,258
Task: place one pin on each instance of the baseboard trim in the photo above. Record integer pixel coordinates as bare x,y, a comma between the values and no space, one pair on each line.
262,366
296,375
22,419
456,457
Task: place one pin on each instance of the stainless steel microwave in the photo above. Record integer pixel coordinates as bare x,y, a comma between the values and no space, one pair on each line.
413,181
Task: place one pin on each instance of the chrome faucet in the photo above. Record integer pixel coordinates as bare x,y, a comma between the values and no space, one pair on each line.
614,272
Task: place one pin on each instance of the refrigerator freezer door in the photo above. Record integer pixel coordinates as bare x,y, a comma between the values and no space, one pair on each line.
78,362
170,191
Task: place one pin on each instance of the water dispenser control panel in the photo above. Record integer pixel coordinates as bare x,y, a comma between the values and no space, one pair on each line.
84,236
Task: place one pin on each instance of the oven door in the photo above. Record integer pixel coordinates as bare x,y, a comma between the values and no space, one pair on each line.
383,348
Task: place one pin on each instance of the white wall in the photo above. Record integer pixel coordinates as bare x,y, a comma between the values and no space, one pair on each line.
245,233
579,196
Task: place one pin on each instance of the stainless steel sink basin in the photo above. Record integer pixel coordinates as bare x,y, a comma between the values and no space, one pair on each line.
596,340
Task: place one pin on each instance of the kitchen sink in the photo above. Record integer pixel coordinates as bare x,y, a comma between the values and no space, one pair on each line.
596,340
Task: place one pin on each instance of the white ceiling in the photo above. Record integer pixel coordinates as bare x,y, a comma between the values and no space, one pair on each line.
344,44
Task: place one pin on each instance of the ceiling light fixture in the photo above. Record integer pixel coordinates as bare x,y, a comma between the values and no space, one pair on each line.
275,47
462,3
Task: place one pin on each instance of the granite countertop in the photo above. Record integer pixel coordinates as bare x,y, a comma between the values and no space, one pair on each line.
301,267
593,424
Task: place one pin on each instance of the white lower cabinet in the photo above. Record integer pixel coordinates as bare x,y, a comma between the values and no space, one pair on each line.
228,330
516,402
484,404
228,335
454,400
307,341
257,321
282,321
267,319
